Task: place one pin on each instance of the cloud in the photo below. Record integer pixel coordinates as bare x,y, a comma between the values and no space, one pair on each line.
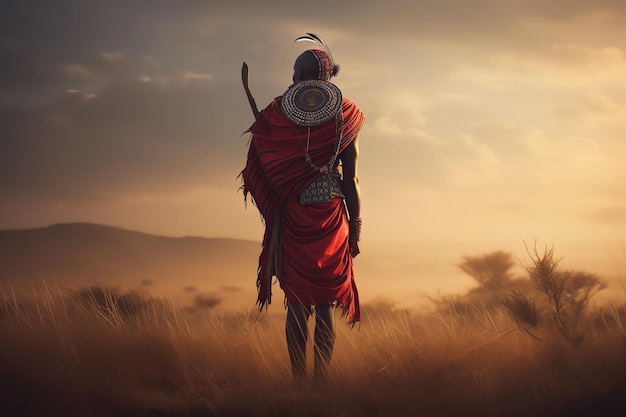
111,56
549,67
597,109
79,71
612,216
130,135
119,108
190,75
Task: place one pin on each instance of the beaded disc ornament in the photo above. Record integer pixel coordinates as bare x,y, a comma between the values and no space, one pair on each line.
311,102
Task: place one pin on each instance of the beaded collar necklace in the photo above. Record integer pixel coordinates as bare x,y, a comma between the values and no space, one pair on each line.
312,103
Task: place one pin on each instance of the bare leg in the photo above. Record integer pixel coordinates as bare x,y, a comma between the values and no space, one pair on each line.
297,335
324,339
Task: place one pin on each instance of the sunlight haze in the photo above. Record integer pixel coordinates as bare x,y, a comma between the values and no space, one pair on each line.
489,123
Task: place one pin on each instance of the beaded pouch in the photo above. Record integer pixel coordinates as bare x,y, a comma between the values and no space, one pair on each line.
322,190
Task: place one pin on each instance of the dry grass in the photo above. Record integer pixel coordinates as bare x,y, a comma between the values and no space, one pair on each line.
96,352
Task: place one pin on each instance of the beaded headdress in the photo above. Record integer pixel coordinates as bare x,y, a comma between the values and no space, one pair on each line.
326,67
325,61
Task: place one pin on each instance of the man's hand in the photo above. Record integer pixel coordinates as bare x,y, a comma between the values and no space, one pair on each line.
355,236
354,248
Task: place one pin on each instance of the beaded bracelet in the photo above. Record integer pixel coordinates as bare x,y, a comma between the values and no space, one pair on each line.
355,229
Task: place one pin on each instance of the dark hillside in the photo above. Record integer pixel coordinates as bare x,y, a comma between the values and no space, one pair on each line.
83,254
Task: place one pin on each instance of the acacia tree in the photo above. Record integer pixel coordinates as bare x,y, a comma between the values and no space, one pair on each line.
491,270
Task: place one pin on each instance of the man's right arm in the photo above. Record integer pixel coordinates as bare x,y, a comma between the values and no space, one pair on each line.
349,159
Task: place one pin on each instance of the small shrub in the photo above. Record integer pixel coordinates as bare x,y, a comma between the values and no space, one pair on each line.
564,296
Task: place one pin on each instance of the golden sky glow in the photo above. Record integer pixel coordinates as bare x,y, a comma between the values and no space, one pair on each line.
489,122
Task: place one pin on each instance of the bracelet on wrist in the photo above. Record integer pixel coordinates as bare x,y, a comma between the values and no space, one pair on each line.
355,229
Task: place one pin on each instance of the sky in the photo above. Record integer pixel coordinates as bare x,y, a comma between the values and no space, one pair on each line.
489,123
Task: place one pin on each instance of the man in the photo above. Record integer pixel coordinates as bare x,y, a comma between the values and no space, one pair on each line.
301,165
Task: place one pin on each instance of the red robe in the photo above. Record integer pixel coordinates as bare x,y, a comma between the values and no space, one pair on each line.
304,246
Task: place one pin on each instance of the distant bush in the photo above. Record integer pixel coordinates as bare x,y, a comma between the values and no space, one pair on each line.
206,301
558,298
114,304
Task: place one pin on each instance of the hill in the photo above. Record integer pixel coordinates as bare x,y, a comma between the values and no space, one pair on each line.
78,255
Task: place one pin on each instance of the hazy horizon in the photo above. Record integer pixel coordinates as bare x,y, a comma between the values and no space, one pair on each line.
181,269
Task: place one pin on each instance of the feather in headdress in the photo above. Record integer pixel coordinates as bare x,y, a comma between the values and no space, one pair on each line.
312,37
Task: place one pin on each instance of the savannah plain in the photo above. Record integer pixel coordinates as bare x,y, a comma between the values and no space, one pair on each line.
99,321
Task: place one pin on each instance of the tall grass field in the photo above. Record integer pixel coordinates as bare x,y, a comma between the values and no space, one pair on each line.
540,347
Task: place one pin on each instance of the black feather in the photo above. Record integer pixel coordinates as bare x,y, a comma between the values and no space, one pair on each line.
305,38
317,38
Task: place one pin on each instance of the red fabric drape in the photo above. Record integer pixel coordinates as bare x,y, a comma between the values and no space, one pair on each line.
315,266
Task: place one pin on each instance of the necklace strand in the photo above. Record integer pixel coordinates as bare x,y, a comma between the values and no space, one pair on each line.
307,157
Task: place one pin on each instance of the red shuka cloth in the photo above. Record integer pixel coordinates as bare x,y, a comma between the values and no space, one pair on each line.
306,247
